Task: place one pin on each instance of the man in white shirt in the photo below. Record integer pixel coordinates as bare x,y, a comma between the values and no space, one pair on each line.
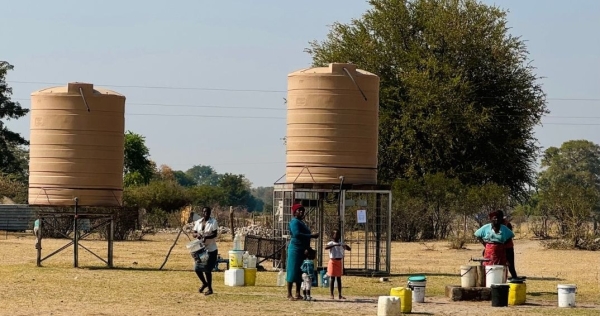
206,229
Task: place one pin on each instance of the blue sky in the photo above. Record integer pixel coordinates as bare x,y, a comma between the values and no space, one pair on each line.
241,44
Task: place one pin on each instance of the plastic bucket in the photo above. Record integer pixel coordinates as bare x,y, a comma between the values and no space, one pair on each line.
405,296
250,276
194,245
517,293
566,295
500,295
236,260
494,275
417,284
468,276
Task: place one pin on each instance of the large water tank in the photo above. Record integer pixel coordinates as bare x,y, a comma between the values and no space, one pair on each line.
332,127
76,146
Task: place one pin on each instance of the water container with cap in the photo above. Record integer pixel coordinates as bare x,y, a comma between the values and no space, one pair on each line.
245,258
237,242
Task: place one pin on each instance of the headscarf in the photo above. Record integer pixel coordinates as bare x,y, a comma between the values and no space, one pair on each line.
295,208
499,214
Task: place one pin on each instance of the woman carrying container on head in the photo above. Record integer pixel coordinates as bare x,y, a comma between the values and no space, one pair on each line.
493,236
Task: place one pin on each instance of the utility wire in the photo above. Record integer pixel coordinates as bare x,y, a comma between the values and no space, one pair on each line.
202,115
235,90
159,87
283,109
191,105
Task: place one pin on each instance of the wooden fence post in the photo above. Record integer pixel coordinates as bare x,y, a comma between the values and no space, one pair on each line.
231,226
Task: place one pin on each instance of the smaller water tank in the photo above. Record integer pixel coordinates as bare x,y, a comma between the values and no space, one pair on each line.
77,146
332,125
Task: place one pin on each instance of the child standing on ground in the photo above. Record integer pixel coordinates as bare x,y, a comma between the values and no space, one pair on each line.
308,272
335,267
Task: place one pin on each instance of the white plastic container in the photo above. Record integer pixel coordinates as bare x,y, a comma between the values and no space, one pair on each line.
566,295
494,275
388,306
281,278
245,259
252,262
468,276
234,277
237,242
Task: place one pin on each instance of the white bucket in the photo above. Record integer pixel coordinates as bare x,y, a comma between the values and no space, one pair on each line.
418,291
194,245
388,306
494,275
468,276
566,295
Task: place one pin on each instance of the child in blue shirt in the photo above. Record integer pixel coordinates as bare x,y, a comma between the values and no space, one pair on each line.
308,272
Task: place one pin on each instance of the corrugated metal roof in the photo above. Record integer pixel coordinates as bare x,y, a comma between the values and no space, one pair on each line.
17,217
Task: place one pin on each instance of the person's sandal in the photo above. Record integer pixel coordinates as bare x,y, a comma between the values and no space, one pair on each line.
202,288
209,292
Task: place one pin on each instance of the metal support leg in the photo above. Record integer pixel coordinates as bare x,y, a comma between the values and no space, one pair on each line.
111,234
75,237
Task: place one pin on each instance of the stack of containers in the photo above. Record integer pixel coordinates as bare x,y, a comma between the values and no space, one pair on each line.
234,276
249,269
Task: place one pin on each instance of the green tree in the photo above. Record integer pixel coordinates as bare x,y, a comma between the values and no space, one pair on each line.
138,167
574,168
264,196
161,195
204,175
236,190
13,189
184,179
10,142
206,195
458,94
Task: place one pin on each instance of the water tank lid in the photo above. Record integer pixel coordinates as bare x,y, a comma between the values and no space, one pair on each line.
333,68
73,88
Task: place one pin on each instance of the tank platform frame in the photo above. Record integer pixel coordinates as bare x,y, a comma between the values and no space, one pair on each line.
105,215
368,232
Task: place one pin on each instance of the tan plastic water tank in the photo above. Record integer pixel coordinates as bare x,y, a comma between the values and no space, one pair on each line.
332,130
75,152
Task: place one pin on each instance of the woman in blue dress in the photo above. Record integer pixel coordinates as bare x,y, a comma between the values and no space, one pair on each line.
299,242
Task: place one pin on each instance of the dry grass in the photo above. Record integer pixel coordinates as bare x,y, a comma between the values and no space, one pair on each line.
136,287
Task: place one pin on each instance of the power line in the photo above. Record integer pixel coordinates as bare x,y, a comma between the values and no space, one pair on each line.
160,87
283,109
212,116
235,90
190,105
226,163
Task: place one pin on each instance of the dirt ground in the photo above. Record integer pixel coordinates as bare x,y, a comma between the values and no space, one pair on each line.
137,287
